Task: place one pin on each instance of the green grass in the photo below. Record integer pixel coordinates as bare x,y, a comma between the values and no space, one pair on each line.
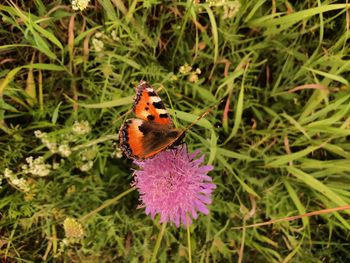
280,147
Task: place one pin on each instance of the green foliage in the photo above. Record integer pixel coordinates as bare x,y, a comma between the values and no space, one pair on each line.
279,141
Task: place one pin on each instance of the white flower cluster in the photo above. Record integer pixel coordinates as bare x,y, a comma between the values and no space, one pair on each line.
86,156
78,128
20,183
117,153
81,128
36,167
192,74
230,8
100,39
64,150
86,166
185,69
52,146
79,4
61,145
97,42
114,35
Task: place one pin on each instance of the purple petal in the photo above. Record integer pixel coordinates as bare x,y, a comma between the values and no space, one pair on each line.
202,208
174,184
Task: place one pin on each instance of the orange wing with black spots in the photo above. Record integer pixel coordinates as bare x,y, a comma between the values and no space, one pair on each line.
140,139
153,132
149,107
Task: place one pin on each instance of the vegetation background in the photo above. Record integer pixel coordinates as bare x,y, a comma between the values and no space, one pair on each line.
279,141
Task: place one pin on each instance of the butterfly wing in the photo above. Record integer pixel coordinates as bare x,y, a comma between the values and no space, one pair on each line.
140,139
149,107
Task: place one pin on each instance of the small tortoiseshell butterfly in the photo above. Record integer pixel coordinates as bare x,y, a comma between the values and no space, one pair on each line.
153,132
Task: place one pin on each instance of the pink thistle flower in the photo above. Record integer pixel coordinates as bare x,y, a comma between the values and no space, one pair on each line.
175,185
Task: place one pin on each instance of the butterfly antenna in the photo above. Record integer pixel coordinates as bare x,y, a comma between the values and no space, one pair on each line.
122,116
198,119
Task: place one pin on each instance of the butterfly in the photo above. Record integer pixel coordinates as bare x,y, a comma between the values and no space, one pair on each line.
153,131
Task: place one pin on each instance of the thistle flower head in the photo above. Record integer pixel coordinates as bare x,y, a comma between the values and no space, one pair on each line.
175,185
72,228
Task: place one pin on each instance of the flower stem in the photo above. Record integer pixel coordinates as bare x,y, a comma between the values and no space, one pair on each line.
189,241
241,250
106,204
159,240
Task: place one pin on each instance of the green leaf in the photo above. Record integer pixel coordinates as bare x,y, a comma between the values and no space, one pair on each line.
229,168
214,31
234,155
14,71
294,196
291,19
238,115
205,93
55,113
317,186
329,76
189,117
107,104
284,159
213,147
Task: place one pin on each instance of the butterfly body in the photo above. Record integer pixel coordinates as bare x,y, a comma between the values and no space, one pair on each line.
153,132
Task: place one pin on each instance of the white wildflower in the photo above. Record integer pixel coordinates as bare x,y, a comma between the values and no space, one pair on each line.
98,35
79,4
86,166
52,146
29,160
36,167
193,77
185,69
39,134
231,9
21,184
91,153
24,167
114,35
55,165
215,3
9,173
98,44
64,150
117,154
81,128
88,154
173,77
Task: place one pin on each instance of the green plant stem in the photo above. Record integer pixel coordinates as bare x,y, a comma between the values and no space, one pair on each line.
241,250
106,204
159,240
189,241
